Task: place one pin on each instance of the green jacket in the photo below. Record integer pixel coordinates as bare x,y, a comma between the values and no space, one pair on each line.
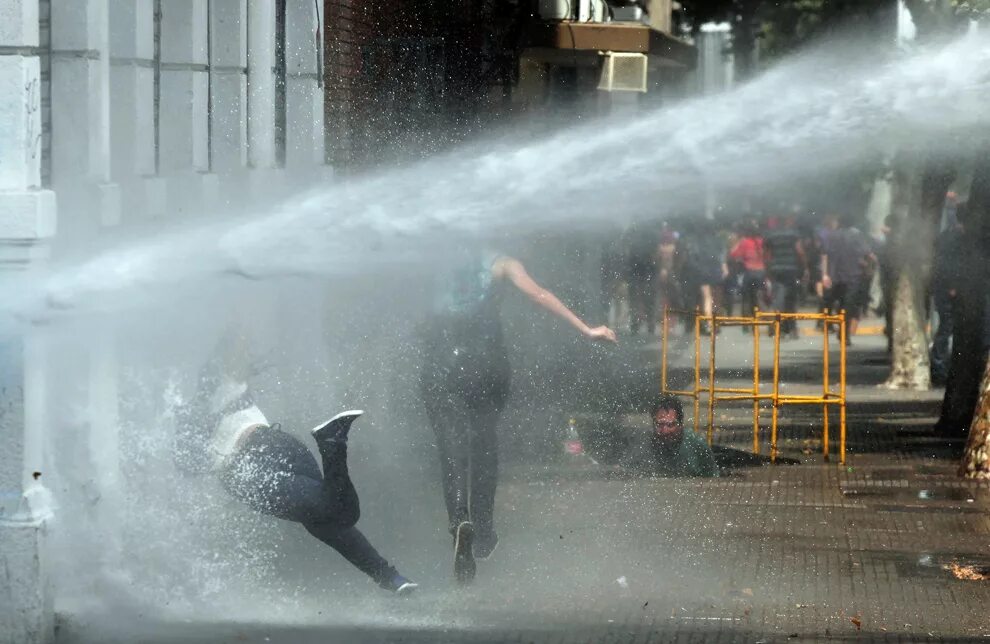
693,457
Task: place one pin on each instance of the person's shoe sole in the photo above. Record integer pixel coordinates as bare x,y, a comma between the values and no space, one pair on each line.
332,425
406,589
464,566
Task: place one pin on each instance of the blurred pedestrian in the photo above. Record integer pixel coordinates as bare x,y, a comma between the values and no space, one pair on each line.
846,265
615,286
947,271
829,227
748,251
641,274
668,278
706,257
733,273
786,267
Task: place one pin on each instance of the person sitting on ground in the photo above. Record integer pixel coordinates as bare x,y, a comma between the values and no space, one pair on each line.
668,450
222,431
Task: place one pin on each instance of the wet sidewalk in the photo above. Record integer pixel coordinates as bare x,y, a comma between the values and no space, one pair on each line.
809,552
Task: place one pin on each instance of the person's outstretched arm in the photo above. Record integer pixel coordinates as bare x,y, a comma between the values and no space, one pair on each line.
515,272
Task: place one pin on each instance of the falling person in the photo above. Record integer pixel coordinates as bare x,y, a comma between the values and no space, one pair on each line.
464,383
224,432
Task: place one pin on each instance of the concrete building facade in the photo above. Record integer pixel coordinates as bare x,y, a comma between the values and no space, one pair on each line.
124,113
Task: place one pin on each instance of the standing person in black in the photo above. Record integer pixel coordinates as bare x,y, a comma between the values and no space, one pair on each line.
641,244
464,383
223,432
947,271
786,266
713,271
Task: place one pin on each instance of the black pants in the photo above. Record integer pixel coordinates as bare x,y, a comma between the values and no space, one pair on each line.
846,296
274,473
786,285
752,284
941,359
642,301
464,390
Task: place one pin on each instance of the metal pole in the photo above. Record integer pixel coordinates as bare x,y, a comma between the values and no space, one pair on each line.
756,381
776,388
697,368
842,388
711,384
663,351
825,385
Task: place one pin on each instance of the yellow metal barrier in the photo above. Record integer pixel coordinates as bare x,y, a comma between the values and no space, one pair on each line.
758,321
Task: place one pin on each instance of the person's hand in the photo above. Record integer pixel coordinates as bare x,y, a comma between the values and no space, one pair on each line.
601,334
826,281
952,292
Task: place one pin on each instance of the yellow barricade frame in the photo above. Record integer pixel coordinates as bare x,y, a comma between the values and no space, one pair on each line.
758,321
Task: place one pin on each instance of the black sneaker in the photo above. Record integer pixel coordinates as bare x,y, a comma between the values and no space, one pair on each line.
485,543
464,566
336,428
399,585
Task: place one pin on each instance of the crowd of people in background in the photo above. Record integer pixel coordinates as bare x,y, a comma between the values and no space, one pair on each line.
774,263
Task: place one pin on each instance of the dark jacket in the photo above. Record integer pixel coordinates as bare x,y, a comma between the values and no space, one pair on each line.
643,456
949,263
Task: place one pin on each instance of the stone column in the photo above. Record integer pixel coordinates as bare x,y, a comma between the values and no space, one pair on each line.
304,93
228,80
81,118
132,109
265,177
27,219
81,173
183,140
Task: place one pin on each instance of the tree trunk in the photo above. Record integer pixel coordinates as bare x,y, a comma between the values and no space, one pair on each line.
964,405
934,19
976,460
919,192
910,367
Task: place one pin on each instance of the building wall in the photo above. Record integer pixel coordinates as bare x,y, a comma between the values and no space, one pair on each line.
27,222
124,113
406,78
350,26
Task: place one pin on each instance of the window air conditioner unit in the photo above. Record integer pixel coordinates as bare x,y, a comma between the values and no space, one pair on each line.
623,72
556,10
629,14
592,10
